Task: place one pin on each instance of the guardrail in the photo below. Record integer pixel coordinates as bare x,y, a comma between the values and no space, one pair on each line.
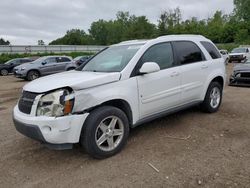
21,49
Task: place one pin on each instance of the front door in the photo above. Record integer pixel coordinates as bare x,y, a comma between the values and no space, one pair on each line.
161,90
48,66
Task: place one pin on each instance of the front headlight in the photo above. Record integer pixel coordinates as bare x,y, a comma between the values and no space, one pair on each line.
237,75
23,68
55,104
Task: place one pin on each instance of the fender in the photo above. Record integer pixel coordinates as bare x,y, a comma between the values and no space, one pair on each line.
215,73
123,90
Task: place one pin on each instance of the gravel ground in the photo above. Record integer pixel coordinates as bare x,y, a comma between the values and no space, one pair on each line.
189,148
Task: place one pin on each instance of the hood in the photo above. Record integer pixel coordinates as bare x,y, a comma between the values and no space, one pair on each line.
24,65
77,80
3,65
236,54
242,67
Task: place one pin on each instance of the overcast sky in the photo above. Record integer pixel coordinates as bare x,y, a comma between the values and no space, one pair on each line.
26,21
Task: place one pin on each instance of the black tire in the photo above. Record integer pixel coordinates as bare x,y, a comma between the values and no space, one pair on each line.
4,72
206,105
91,129
70,69
32,75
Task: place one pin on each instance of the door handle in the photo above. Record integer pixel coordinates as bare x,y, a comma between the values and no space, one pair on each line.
204,66
173,74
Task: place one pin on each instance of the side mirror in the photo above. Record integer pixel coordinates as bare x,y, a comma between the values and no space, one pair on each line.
44,63
149,67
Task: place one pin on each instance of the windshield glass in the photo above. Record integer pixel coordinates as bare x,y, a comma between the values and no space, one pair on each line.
39,60
9,62
113,59
239,50
247,62
78,58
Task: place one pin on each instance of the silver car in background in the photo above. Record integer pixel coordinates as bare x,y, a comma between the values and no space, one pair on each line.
43,66
77,62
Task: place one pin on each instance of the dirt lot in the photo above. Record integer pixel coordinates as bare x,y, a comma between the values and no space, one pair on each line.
217,153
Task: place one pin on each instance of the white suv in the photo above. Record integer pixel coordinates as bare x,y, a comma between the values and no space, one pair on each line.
123,86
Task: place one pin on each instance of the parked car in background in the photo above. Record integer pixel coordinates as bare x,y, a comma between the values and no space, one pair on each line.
225,55
121,87
239,54
77,62
241,74
41,67
8,67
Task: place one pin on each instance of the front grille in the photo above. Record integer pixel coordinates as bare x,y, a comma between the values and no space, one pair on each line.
245,75
26,101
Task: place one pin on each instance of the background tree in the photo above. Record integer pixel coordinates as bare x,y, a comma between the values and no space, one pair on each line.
3,42
40,42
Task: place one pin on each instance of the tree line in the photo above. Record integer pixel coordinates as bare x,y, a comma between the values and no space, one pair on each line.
220,28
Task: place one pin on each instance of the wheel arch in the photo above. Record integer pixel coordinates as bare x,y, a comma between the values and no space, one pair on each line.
118,103
34,70
215,78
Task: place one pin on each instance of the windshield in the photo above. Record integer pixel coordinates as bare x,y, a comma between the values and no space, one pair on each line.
39,60
113,59
78,58
9,62
239,50
247,62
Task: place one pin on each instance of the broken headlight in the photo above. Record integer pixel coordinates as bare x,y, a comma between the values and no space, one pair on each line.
55,104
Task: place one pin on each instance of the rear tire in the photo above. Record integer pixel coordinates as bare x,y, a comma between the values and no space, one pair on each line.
4,72
105,132
213,98
32,75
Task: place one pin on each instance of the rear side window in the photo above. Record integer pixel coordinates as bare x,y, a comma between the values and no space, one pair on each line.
211,49
62,59
51,60
188,52
162,54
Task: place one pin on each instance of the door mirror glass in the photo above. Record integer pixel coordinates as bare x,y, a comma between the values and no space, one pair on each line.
149,67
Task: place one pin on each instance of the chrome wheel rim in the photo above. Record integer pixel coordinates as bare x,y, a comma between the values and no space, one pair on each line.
34,76
109,133
215,97
4,72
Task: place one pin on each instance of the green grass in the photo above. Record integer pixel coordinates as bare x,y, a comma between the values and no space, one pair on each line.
228,46
6,57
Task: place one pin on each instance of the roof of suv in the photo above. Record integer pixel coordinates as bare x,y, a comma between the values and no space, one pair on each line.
166,37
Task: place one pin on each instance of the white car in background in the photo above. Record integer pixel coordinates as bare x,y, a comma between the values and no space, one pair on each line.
225,55
121,87
239,54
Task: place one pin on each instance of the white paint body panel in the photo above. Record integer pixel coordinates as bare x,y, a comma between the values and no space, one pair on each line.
146,95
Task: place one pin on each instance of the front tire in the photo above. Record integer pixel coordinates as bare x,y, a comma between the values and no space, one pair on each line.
213,98
4,72
70,69
32,75
105,132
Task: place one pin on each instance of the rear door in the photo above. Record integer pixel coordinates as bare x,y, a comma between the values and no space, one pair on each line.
194,70
62,62
159,91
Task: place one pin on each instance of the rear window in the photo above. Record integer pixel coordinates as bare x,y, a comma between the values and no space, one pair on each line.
188,52
62,59
214,53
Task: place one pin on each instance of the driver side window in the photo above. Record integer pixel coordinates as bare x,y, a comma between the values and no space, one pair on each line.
162,54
